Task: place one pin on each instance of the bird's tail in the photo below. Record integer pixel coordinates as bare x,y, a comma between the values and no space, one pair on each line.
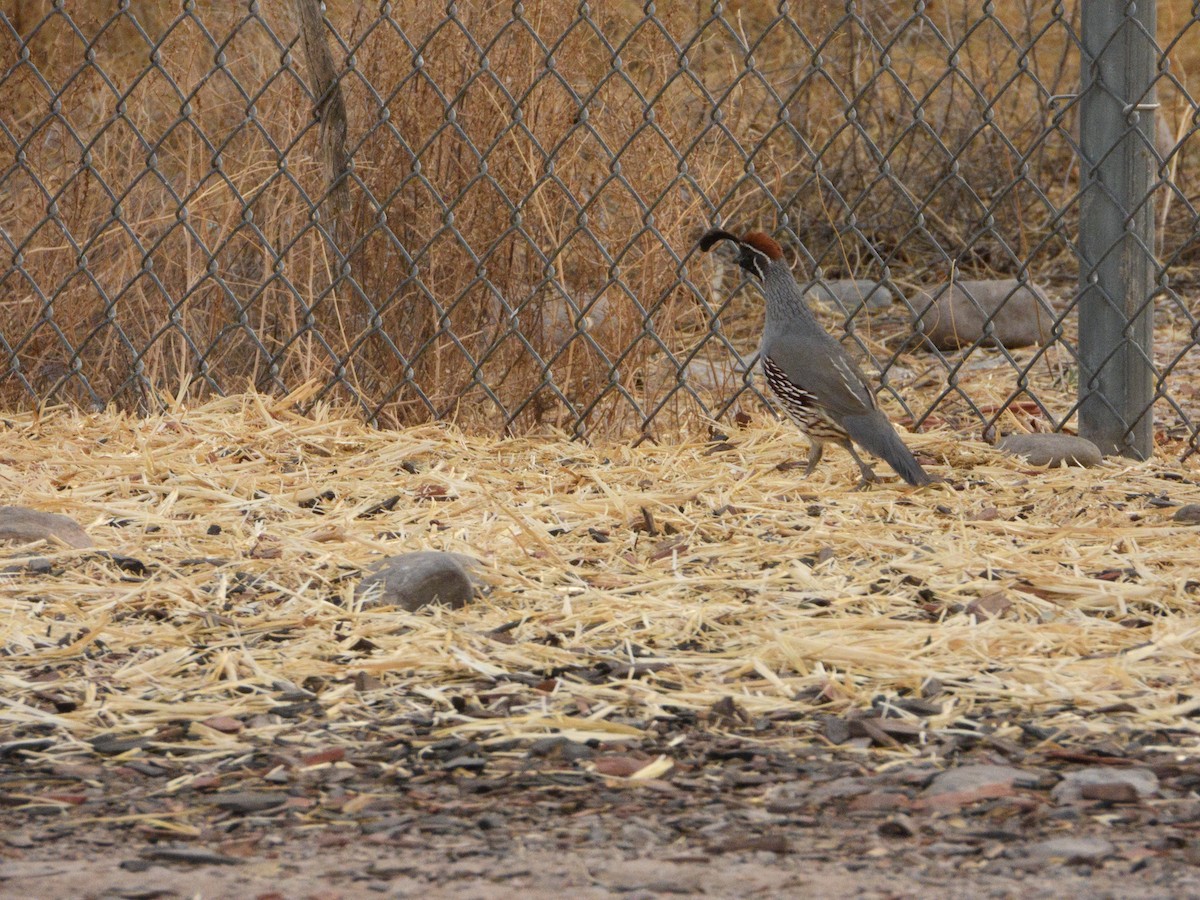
873,432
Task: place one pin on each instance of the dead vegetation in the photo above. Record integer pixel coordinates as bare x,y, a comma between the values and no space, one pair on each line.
516,237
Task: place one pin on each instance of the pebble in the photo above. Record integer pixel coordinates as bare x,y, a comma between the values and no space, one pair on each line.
249,801
196,856
35,565
838,789
1051,449
973,778
490,822
990,606
1073,850
899,826
786,799
1111,792
561,748
1070,789
116,744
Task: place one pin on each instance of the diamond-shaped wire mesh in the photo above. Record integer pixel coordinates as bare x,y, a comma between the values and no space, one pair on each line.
489,211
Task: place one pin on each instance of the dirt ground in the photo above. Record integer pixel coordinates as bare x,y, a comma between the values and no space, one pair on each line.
741,818
691,673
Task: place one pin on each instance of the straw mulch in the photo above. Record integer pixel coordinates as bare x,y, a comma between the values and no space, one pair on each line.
625,584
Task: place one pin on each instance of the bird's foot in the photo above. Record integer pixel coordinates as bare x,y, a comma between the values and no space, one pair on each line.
814,457
868,478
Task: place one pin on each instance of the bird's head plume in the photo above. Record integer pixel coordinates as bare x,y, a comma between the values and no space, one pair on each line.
756,250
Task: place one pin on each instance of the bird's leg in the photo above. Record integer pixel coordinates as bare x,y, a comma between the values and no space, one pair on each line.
868,474
814,456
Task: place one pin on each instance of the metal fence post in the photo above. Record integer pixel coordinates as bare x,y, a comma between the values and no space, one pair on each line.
1116,225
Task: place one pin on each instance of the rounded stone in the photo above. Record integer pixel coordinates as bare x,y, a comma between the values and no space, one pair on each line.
1001,311
1051,449
1189,514
413,580
28,525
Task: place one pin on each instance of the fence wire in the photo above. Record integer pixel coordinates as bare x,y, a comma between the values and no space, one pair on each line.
490,213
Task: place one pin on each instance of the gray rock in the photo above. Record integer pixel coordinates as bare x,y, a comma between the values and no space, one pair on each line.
849,294
839,789
249,801
196,856
19,839
999,311
413,580
28,525
1189,515
973,778
35,565
1070,789
1073,850
1051,449
787,799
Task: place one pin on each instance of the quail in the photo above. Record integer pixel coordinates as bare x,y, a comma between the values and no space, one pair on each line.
810,374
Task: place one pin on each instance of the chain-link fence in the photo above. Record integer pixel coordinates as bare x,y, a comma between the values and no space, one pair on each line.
489,211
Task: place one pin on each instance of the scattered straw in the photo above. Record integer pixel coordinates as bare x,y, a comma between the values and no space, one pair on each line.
625,582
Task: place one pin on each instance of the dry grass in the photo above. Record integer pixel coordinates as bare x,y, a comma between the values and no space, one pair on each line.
786,595
504,298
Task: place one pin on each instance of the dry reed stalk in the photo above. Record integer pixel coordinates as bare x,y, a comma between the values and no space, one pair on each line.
213,273
712,567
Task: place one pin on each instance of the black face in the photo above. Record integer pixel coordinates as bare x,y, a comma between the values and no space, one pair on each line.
753,261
